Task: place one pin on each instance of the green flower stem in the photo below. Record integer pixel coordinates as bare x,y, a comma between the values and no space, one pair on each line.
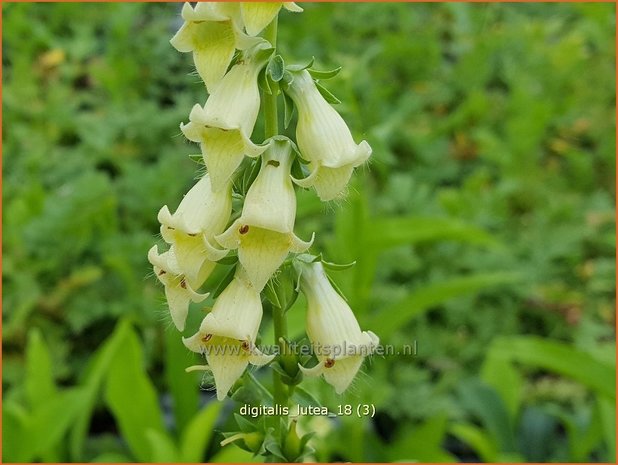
280,394
271,128
271,123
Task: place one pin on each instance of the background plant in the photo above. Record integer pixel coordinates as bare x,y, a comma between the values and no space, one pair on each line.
492,185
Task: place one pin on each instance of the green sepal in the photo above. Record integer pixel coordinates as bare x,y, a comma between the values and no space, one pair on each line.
337,266
250,441
276,68
294,446
260,53
271,295
227,279
291,443
304,440
328,96
286,378
197,158
271,446
308,258
235,59
246,426
288,79
281,290
264,82
301,66
317,74
246,395
288,110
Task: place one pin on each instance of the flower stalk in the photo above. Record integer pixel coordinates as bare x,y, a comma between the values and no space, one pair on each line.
271,129
242,214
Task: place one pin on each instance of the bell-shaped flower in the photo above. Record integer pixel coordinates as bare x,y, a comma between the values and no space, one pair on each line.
257,15
224,125
227,334
201,215
264,233
212,31
324,140
178,291
338,342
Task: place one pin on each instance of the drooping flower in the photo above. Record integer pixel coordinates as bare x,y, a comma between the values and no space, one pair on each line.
257,15
178,290
264,233
227,334
201,215
212,31
324,140
337,339
224,125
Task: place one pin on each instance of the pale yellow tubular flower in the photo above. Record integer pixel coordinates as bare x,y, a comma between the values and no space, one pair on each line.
257,15
224,125
212,31
178,290
264,233
324,139
201,215
337,339
227,334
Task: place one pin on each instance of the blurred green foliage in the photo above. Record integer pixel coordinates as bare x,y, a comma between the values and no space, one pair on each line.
483,229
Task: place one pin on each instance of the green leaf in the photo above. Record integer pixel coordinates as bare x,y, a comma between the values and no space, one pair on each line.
422,443
297,170
484,402
250,174
185,396
498,372
583,438
52,420
317,74
132,397
607,408
305,398
560,358
198,433
537,430
275,68
39,383
230,259
383,233
328,96
93,382
15,437
163,448
391,319
477,439
111,457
